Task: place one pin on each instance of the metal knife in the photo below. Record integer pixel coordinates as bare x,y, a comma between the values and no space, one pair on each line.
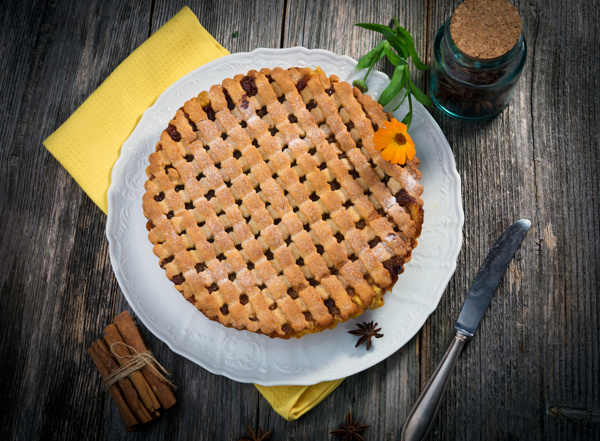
484,286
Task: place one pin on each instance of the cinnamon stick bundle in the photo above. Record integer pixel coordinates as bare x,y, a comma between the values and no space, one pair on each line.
130,373
123,355
115,392
131,335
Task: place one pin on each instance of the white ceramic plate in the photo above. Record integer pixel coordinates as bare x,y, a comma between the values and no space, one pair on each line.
244,356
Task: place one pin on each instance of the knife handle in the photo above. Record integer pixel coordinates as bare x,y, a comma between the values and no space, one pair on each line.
419,421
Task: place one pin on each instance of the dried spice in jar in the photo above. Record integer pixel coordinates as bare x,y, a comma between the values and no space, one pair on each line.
478,58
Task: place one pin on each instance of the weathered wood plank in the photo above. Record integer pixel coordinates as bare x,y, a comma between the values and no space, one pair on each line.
494,186
566,157
530,373
522,359
331,26
58,282
255,26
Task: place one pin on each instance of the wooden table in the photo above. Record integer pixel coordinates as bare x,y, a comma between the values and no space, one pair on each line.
532,371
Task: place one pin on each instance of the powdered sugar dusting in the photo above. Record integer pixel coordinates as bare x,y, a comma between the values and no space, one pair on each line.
381,252
213,176
388,202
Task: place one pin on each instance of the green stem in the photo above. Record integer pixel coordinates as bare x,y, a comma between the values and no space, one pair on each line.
368,72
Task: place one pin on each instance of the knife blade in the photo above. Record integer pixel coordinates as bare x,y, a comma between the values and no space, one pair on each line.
489,276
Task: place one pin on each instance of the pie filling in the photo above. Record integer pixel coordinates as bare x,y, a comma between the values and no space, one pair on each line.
270,209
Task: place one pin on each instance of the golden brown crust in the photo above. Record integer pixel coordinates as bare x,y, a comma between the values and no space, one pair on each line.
270,209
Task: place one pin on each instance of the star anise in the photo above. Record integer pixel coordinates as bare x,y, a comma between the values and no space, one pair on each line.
351,431
258,436
366,331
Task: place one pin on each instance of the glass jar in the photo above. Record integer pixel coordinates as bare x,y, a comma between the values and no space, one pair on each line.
471,89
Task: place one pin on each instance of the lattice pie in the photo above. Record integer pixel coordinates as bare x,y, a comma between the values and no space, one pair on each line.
270,209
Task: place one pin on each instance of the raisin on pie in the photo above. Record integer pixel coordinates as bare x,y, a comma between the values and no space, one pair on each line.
270,209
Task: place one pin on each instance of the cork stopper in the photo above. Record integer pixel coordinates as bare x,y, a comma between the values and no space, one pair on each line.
485,29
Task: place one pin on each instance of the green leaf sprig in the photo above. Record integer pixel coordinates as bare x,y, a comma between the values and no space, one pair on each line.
398,46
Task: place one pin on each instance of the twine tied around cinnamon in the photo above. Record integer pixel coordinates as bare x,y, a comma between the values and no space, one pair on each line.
136,362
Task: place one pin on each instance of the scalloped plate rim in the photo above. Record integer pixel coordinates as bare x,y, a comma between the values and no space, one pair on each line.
113,193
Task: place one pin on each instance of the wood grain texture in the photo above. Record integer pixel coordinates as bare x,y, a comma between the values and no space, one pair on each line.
534,160
530,373
54,298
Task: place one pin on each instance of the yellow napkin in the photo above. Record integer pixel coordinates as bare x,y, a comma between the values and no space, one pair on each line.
291,402
89,142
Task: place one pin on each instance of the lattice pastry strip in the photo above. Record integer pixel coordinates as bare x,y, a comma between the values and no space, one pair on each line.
290,311
233,313
309,255
280,203
408,176
259,222
361,164
275,241
171,245
357,241
318,182
380,226
364,127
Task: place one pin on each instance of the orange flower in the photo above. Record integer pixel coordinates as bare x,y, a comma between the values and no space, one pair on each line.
395,142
